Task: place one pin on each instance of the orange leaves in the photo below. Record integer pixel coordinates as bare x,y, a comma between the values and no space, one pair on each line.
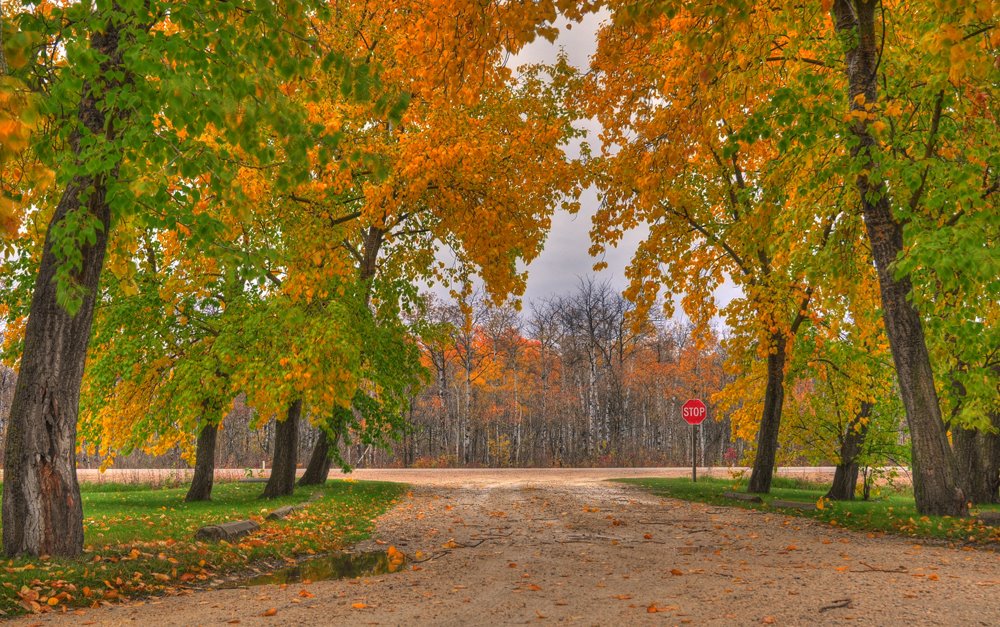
270,611
396,559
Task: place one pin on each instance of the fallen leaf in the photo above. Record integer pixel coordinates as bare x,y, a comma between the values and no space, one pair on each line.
767,620
622,597
675,572
359,606
270,612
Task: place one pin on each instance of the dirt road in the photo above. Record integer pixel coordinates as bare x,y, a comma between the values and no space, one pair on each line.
565,546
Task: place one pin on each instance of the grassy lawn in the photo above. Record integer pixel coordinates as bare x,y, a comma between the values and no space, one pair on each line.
140,540
893,512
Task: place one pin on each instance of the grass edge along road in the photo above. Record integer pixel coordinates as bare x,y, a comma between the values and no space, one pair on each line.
139,541
893,512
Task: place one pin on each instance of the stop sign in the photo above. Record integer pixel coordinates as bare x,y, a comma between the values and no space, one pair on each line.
694,411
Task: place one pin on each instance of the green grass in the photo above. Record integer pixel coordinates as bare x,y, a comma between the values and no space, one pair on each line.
139,540
892,513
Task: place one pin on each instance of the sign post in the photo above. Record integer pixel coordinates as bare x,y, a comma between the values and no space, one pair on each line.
694,413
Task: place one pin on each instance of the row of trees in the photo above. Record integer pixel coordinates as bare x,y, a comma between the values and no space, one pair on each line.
573,382
203,199
838,160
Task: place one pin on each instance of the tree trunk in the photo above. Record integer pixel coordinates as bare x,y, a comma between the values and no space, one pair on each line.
204,465
318,469
323,453
770,422
978,461
286,440
42,514
3,57
935,486
845,477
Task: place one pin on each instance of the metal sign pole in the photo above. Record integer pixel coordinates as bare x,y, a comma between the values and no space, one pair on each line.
694,453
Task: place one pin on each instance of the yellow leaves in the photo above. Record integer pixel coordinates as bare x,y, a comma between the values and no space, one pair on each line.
893,109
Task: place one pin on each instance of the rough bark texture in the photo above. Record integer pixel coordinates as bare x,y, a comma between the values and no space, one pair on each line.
935,487
204,465
978,460
42,513
286,438
845,477
767,435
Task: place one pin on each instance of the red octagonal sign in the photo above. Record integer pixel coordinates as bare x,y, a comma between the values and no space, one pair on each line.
694,411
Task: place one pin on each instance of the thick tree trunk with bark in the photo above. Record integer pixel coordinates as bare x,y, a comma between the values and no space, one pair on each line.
286,440
204,465
978,459
321,459
935,486
845,477
770,422
42,514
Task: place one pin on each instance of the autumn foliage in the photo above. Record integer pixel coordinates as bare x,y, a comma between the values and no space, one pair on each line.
204,201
